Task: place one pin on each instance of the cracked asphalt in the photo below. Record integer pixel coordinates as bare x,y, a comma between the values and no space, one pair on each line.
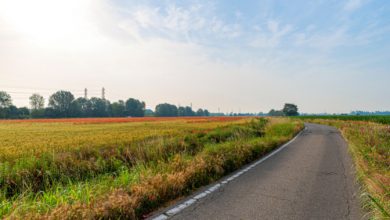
312,178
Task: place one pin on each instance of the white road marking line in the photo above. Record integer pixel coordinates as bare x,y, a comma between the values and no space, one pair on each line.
230,179
215,187
224,182
190,202
175,210
161,217
203,194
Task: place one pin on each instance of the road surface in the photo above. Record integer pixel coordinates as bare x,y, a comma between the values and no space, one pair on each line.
311,178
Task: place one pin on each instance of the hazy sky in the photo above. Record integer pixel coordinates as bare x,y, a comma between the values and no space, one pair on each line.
323,55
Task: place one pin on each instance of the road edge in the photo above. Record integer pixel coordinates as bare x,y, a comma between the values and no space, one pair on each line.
198,196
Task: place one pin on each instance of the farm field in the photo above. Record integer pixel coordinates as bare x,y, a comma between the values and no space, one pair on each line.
36,136
382,119
369,144
123,167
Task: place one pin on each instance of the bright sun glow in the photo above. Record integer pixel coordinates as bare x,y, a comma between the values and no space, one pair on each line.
46,20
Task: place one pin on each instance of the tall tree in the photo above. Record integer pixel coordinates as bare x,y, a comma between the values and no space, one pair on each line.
200,112
61,103
81,107
118,109
185,111
99,107
290,109
37,101
135,108
5,103
181,111
166,110
188,111
5,100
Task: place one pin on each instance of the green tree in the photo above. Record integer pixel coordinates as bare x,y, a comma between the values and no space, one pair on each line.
274,112
188,111
118,109
290,109
81,107
200,112
5,103
5,100
185,111
135,108
39,113
166,110
12,112
24,112
61,103
99,107
37,103
181,111
149,113
51,113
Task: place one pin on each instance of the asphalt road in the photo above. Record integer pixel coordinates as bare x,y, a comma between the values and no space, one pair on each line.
312,178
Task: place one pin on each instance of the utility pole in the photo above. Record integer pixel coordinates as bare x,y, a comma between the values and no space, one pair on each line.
103,93
85,93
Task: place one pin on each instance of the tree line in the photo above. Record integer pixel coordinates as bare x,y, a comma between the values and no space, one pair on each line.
288,110
63,104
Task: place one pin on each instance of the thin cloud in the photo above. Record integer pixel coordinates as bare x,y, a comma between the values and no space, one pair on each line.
352,5
192,23
272,35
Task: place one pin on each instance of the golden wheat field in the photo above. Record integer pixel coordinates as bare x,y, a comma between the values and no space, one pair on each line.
19,138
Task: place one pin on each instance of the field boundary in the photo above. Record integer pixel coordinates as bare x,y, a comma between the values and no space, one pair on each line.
198,196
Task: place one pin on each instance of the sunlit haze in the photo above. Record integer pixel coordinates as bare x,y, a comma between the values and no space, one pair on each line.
248,56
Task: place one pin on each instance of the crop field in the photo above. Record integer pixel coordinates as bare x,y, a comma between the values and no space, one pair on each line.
369,144
382,119
33,137
123,167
